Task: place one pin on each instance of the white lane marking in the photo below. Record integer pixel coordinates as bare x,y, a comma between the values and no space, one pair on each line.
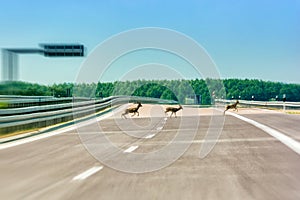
242,140
34,138
263,139
131,149
150,136
159,128
258,147
165,118
87,173
289,142
142,131
53,133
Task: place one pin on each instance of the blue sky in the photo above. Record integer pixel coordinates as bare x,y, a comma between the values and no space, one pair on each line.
246,39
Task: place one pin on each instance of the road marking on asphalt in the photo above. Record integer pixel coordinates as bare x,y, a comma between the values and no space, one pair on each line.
53,133
88,173
150,136
159,128
34,138
228,140
289,142
131,149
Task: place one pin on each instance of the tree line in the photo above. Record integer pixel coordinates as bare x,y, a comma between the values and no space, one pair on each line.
178,90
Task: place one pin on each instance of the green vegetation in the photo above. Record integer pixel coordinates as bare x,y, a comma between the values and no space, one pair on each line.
3,105
165,89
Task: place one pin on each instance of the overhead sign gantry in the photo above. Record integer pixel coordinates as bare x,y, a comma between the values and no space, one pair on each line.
10,68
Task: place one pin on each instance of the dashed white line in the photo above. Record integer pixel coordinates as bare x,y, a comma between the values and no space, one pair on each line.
159,128
87,173
150,136
131,149
289,142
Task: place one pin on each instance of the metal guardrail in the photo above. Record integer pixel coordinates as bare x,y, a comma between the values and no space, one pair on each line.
13,120
15,123
24,97
44,108
15,101
265,104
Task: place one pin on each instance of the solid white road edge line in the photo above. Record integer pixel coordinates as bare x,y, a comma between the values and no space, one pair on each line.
289,142
131,149
52,133
88,173
34,138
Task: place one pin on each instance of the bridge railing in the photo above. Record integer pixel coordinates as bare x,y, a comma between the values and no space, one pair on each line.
263,104
17,101
18,119
52,107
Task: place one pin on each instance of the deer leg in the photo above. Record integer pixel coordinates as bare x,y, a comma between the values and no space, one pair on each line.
125,113
138,113
225,110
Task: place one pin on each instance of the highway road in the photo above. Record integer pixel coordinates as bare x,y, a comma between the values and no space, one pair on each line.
245,163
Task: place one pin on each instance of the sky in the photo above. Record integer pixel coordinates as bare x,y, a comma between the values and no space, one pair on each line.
254,39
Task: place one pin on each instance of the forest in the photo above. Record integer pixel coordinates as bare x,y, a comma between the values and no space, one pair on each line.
179,90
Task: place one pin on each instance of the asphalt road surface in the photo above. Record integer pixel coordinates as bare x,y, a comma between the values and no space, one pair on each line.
245,163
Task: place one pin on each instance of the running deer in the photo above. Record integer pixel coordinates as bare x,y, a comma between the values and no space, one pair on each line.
173,110
132,110
232,106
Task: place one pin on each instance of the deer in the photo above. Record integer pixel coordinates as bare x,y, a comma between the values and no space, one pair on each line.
232,106
173,110
132,110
